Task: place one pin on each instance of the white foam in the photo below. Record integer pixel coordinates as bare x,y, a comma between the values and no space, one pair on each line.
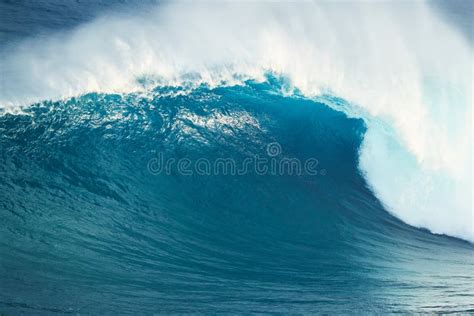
406,72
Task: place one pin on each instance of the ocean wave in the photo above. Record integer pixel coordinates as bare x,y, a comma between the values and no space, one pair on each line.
385,60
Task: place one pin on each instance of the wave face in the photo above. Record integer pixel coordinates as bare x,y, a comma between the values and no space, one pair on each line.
87,221
378,96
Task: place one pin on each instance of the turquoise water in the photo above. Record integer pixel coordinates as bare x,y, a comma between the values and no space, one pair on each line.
89,228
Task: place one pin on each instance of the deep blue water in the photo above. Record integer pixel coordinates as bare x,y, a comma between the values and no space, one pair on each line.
90,226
